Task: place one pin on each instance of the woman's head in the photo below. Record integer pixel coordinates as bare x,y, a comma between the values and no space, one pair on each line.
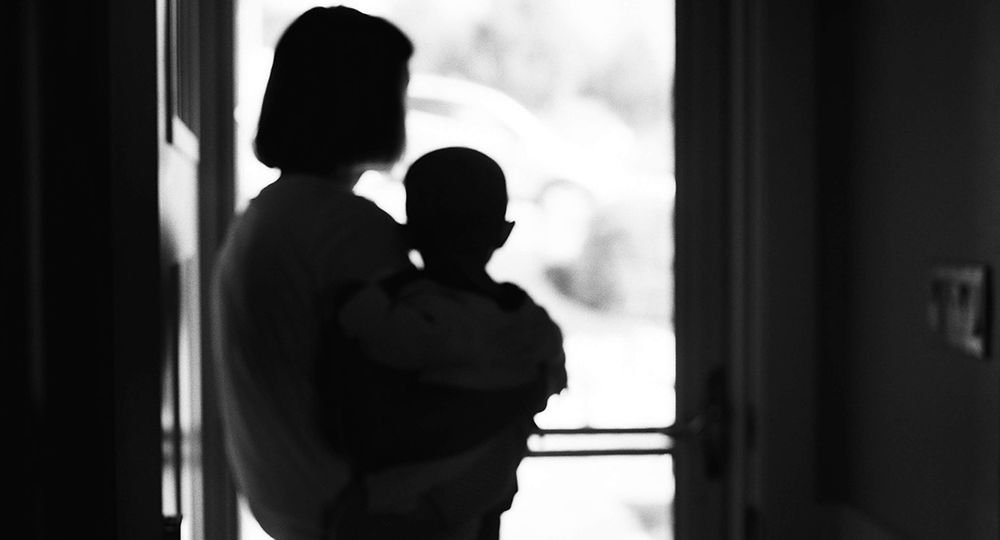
336,94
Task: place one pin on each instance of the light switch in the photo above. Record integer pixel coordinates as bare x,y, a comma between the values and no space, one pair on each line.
958,306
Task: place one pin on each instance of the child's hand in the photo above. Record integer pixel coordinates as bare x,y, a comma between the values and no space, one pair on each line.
555,377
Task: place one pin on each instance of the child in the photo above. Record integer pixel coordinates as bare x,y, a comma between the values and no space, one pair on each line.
453,366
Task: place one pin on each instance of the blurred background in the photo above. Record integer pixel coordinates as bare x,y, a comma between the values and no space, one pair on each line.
573,99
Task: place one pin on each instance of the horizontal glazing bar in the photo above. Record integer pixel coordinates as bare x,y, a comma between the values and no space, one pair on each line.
668,430
608,452
597,441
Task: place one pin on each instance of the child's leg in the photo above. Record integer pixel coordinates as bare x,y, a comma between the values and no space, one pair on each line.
486,489
386,527
356,524
490,527
350,520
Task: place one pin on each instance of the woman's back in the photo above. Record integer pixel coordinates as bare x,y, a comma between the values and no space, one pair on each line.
300,237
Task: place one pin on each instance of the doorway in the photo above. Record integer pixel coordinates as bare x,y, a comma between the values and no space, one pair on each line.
573,100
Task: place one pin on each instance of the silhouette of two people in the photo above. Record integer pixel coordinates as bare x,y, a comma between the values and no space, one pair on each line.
362,397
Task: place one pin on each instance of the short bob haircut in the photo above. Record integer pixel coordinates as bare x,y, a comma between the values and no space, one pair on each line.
336,94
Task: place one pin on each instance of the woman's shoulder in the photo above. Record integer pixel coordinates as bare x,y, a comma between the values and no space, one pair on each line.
356,238
320,207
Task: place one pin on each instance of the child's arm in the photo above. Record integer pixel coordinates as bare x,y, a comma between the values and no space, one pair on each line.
409,333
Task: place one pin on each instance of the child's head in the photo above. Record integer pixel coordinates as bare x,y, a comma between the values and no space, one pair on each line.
456,202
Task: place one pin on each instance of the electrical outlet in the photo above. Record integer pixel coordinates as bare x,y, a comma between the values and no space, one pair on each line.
958,307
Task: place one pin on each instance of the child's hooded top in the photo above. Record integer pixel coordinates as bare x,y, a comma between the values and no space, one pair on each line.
503,355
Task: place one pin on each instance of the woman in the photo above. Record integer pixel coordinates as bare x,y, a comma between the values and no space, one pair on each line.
334,107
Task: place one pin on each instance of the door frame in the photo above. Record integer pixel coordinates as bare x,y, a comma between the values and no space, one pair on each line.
216,200
194,234
748,268
710,262
747,247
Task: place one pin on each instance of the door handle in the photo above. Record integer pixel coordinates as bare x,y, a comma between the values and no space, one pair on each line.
687,429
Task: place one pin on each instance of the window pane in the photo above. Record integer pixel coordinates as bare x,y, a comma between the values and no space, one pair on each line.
625,498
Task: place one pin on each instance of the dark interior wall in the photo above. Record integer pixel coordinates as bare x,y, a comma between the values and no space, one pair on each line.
15,300
922,420
782,320
81,277
66,229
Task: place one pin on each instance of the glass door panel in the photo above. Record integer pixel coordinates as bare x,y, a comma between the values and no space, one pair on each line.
573,99
592,499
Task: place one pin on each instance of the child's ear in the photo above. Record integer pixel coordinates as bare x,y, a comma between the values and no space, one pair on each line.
508,226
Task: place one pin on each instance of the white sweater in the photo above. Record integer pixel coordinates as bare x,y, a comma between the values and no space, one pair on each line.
461,339
299,237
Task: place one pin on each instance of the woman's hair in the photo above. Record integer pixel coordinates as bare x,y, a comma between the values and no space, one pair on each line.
336,93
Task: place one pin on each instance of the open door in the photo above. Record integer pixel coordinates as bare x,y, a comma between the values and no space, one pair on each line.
708,446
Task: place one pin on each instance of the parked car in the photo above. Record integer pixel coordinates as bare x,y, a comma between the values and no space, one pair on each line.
548,180
625,264
446,111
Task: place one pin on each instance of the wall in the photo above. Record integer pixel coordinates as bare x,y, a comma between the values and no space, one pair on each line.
922,167
782,277
82,272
